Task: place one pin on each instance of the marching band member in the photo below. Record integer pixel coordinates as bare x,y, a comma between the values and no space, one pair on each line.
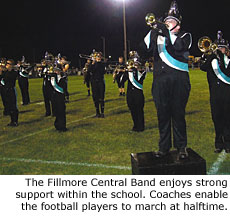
135,96
65,67
23,81
118,74
9,78
171,84
47,88
87,75
2,86
218,74
58,83
98,84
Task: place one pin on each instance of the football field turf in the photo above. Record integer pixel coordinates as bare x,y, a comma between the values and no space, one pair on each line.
99,146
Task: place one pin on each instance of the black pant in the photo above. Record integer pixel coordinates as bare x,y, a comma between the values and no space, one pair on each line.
98,93
47,94
87,84
60,113
11,101
135,101
170,93
24,87
220,109
4,101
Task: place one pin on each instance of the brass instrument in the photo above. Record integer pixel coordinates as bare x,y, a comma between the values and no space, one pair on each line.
151,20
50,69
206,45
86,68
84,56
92,56
130,64
2,65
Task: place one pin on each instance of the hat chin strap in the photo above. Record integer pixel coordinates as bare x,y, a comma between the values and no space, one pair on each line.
174,27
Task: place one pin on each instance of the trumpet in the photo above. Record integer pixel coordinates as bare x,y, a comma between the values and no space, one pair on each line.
151,20
206,45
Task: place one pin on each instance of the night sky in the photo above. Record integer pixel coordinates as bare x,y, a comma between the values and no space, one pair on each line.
31,27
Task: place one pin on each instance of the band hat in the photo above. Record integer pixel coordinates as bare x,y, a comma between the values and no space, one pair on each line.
220,41
56,69
133,54
173,13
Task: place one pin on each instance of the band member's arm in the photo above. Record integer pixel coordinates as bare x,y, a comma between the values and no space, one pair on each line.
44,71
206,62
28,69
149,44
103,68
143,75
151,38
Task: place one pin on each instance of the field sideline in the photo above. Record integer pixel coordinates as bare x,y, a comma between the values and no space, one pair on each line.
99,146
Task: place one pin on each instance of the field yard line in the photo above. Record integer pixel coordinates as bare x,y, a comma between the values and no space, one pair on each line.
65,163
216,166
39,103
50,128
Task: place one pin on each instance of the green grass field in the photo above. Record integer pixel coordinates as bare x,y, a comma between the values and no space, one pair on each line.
99,146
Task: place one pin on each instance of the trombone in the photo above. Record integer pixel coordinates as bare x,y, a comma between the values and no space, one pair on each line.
92,56
84,56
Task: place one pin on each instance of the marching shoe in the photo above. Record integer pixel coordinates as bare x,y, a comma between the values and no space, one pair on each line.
160,154
140,129
13,124
182,153
227,150
97,115
63,130
218,150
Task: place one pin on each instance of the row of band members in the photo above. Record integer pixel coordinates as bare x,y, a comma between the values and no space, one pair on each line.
54,88
171,85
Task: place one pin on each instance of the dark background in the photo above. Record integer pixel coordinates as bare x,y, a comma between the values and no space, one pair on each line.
31,27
